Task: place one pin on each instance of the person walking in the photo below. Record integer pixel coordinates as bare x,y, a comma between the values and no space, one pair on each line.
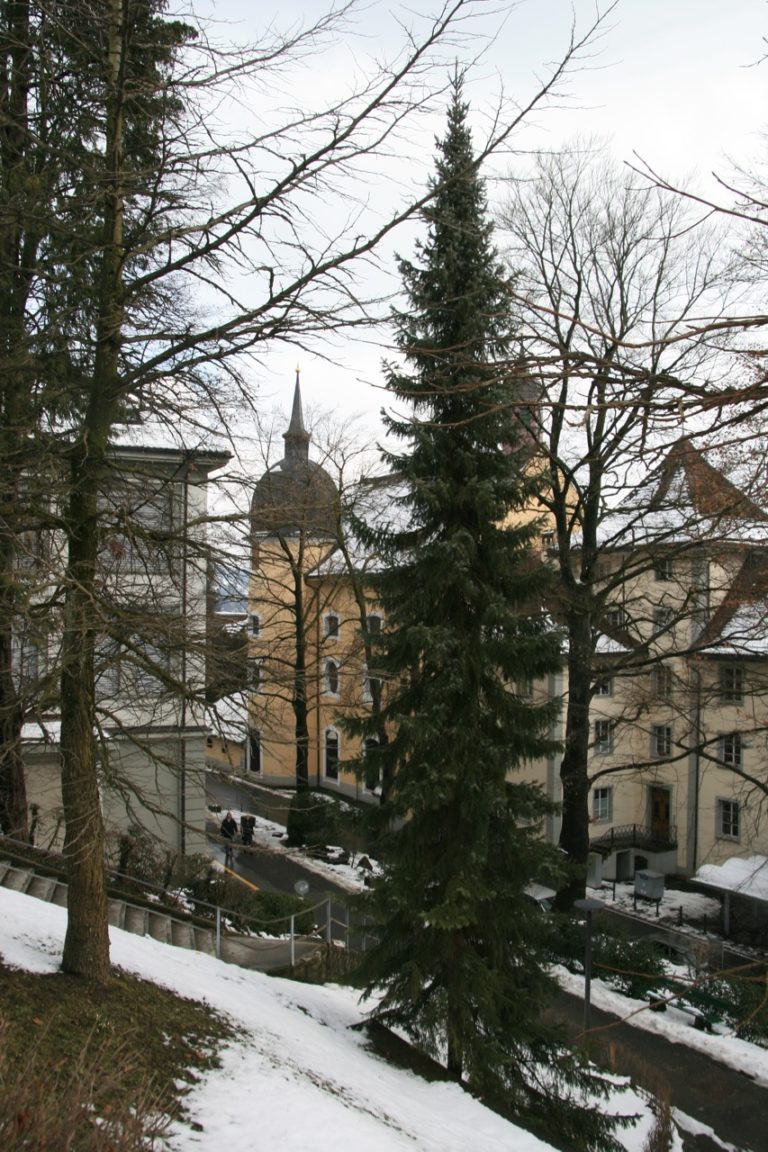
228,832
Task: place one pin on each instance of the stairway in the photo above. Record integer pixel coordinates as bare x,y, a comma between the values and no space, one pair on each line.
162,926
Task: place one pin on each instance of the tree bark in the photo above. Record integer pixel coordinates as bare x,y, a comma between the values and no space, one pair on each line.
86,947
574,769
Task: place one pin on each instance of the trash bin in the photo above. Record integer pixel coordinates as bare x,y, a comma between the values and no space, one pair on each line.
649,885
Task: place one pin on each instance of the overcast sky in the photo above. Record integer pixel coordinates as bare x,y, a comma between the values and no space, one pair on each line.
680,82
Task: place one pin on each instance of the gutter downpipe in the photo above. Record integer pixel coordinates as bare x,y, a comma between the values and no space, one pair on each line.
696,685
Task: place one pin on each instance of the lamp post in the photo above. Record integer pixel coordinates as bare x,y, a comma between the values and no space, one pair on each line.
588,906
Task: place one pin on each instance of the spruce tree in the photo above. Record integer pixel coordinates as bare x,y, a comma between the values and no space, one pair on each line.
457,963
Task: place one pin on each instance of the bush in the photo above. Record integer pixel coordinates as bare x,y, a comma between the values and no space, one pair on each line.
629,965
138,855
205,888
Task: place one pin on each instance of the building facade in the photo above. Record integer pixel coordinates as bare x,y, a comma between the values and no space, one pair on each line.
150,664
678,760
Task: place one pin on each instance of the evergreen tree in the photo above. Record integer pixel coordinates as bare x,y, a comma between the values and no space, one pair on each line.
457,959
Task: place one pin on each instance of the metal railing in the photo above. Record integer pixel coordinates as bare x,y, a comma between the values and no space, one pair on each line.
636,836
206,914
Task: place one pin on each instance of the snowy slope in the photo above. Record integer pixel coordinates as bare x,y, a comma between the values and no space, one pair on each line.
298,1078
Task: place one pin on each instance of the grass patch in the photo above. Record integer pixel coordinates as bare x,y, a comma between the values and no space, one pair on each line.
70,1052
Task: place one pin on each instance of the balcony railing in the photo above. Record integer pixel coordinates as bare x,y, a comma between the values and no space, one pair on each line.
635,836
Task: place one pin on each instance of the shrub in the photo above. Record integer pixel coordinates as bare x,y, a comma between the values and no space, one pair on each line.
205,888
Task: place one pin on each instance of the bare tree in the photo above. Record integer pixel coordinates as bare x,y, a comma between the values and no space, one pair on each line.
609,279
154,218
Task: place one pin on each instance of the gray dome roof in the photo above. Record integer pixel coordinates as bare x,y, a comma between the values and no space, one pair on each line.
296,495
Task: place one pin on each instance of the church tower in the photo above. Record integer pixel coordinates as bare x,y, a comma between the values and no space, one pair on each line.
294,530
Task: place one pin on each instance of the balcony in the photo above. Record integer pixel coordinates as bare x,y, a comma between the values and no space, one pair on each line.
635,836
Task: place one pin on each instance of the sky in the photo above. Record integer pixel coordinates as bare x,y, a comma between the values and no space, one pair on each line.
679,83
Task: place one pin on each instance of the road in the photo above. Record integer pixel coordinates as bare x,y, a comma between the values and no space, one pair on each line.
728,1102
276,872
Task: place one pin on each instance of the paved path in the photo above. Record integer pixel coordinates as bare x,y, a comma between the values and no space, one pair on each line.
728,1102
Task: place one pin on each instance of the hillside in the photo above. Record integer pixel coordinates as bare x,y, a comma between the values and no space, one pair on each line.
299,1077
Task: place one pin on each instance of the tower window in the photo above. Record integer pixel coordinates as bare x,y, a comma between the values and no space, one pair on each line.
331,754
331,678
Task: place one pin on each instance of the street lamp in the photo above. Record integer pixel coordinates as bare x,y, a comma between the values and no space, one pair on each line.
588,906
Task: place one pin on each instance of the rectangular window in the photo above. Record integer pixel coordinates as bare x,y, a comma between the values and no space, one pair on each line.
661,740
662,568
731,683
107,669
254,675
152,663
732,749
143,537
332,627
662,618
331,754
603,736
524,687
661,681
255,625
373,625
25,662
728,819
604,687
602,804
615,617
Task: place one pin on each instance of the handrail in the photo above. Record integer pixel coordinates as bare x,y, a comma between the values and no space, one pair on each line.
56,863
637,834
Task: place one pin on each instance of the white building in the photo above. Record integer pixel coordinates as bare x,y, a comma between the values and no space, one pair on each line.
150,670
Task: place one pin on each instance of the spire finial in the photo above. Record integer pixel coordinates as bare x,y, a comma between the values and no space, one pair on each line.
297,438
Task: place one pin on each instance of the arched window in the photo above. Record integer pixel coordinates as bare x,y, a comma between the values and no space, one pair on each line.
371,684
331,678
254,750
331,754
371,765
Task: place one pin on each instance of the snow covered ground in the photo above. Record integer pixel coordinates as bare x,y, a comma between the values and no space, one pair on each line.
298,1077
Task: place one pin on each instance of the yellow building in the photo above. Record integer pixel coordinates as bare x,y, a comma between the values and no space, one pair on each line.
307,612
679,712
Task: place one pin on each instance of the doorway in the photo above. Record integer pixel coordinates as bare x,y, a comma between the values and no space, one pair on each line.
660,800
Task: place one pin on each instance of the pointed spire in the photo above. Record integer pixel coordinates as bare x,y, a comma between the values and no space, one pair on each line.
296,438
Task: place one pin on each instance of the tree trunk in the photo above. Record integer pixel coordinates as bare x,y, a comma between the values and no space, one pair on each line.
86,945
574,769
300,708
18,248
13,792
